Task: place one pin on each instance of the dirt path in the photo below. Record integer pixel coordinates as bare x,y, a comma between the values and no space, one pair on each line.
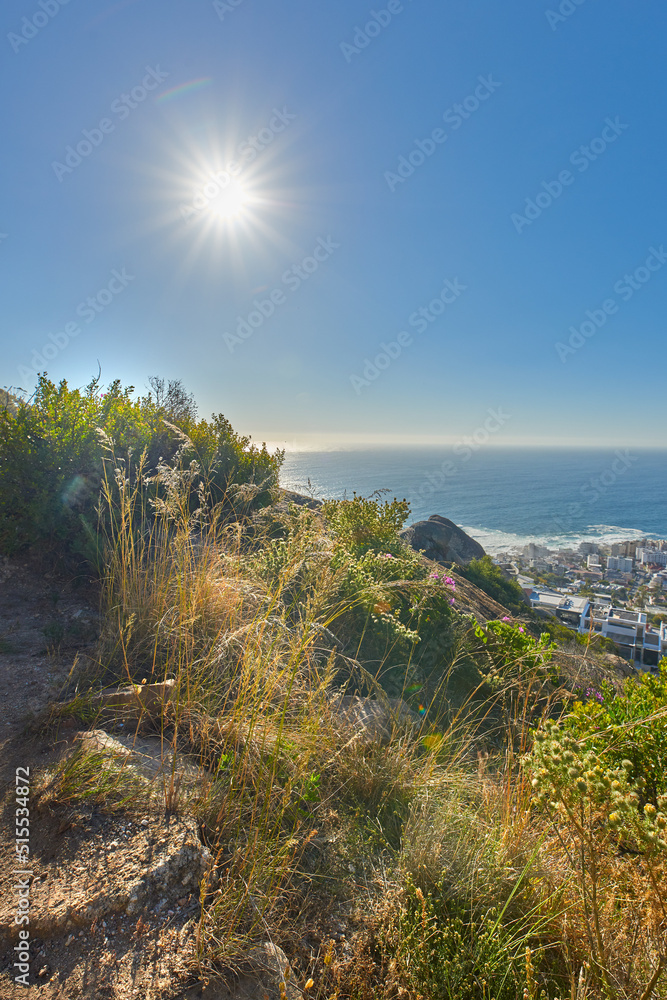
83,943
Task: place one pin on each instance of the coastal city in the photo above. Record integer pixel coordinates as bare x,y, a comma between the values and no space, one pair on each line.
617,591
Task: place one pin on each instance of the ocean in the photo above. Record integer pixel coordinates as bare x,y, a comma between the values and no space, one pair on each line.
504,497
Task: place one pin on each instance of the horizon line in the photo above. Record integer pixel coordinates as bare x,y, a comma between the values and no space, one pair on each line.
305,443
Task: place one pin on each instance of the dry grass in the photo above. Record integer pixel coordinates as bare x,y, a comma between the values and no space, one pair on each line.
295,800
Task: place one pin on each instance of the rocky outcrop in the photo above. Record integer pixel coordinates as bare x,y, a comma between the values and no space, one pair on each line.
289,496
151,758
442,540
155,864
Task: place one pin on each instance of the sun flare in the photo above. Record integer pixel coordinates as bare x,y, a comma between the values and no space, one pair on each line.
230,203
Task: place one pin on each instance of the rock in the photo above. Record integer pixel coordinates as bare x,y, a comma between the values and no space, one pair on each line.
442,541
149,757
374,720
272,968
289,496
282,506
133,702
184,867
268,971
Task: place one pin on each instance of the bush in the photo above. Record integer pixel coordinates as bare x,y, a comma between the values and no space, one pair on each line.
367,523
630,726
490,578
513,651
53,446
443,950
594,810
397,612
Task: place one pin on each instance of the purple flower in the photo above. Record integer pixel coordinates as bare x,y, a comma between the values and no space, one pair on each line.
521,629
451,600
505,619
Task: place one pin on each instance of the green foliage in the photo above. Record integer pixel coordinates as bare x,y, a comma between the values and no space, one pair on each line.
594,809
370,586
445,951
7,401
490,578
53,446
54,633
364,524
388,609
627,726
402,612
553,627
576,788
513,649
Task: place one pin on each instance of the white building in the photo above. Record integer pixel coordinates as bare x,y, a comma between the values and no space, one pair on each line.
636,640
621,564
593,561
647,556
568,609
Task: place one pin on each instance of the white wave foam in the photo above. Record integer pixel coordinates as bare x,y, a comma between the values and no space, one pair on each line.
494,541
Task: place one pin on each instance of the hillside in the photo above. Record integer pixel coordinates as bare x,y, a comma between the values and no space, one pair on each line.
270,744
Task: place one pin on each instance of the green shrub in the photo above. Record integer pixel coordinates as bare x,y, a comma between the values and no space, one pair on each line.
53,446
363,524
399,611
512,649
595,812
443,950
627,726
490,578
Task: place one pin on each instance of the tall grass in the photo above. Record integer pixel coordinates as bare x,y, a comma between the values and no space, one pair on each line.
465,885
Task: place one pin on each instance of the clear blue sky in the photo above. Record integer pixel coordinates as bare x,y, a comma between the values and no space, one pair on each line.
330,112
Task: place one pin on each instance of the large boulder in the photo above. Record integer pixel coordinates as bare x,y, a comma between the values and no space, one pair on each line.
442,540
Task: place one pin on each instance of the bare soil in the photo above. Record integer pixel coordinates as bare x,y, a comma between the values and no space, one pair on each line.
82,941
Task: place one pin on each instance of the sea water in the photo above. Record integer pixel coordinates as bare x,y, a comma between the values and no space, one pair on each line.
504,497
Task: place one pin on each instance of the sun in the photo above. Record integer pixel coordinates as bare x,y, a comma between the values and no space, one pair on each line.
230,203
